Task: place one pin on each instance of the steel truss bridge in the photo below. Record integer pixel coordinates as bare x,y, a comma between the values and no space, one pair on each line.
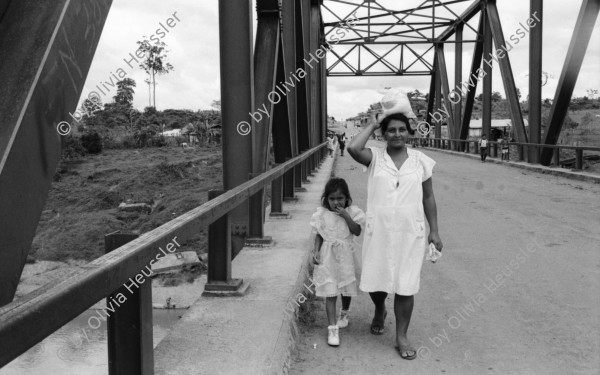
47,49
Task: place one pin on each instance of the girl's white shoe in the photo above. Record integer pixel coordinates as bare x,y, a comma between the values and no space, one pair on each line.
334,336
343,320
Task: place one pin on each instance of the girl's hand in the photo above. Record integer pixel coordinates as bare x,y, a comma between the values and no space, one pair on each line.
437,241
342,212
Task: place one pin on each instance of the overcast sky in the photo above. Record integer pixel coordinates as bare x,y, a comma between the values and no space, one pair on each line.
194,52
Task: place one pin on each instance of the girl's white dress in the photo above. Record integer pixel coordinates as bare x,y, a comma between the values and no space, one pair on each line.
340,257
395,235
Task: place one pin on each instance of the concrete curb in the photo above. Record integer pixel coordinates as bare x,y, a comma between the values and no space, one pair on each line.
581,176
289,335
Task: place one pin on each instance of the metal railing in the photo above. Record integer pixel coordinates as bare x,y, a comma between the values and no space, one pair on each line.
524,151
29,320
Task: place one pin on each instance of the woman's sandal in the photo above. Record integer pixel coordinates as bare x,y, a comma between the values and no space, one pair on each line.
377,329
405,350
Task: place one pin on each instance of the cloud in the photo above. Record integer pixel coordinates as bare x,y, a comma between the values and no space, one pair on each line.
194,52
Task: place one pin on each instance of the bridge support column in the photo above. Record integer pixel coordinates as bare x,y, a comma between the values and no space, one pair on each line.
298,178
256,231
219,281
288,185
277,199
535,79
486,116
305,170
237,96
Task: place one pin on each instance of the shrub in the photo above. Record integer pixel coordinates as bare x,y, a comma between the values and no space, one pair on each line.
72,148
128,141
92,142
159,141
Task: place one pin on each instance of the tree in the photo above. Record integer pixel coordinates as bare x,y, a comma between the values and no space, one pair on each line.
155,62
592,93
125,93
216,104
496,96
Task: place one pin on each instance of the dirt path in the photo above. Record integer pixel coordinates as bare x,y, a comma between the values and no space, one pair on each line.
515,293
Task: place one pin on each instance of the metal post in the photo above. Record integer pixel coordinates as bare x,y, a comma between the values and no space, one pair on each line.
256,232
219,281
277,199
579,159
237,76
304,170
298,178
486,116
438,104
535,79
457,103
557,157
288,185
129,328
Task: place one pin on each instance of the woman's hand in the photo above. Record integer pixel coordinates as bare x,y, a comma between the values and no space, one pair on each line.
437,241
316,257
375,120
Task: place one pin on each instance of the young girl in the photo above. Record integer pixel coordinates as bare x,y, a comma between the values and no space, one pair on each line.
336,254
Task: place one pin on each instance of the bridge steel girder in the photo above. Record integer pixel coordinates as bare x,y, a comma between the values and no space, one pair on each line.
441,60
472,84
266,53
465,17
458,51
438,98
582,33
535,81
288,45
430,98
315,72
237,96
284,122
302,90
510,89
486,115
47,49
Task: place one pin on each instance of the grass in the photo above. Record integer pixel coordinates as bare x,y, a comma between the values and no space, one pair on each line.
82,204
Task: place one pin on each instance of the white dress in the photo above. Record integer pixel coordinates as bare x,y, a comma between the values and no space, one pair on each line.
340,257
395,234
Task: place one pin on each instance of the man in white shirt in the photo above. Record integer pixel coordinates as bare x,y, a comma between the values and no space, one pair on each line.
483,147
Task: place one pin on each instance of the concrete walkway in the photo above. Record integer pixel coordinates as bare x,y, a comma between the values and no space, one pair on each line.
516,291
255,333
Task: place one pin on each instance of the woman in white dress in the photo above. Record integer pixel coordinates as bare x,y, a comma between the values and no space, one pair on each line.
400,196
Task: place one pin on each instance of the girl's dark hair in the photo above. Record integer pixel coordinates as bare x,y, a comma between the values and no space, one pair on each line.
396,116
332,186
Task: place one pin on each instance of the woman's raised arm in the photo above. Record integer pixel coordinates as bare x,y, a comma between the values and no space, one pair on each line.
357,149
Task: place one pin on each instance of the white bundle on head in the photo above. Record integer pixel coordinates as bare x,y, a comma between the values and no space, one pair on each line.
396,101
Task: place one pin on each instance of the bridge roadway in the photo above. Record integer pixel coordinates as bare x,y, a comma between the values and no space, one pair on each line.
516,291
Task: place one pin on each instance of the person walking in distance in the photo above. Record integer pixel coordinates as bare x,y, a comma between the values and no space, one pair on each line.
342,141
504,146
330,145
483,147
